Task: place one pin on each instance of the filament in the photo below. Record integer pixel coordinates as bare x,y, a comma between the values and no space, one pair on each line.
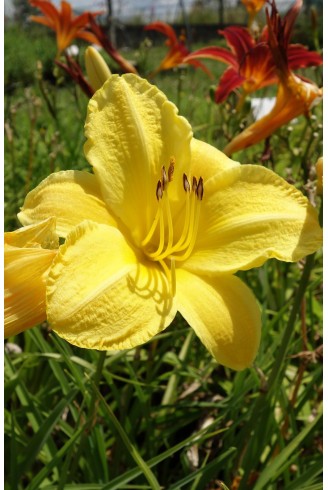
162,231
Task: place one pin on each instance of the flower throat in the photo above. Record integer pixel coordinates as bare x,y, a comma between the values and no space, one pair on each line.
171,248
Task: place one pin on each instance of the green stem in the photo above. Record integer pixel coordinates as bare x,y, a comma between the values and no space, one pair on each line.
10,137
179,88
33,118
170,392
49,104
274,378
304,159
241,101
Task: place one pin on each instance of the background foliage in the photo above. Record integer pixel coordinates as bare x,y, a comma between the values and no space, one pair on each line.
163,415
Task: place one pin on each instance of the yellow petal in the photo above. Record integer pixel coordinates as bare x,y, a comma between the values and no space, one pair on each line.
206,160
38,235
71,196
132,131
99,296
25,276
224,314
248,215
96,68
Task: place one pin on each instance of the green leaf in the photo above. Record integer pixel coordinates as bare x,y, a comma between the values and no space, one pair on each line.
56,461
305,480
150,477
42,435
278,464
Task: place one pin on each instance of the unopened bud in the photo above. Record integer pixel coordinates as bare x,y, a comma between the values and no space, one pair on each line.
96,67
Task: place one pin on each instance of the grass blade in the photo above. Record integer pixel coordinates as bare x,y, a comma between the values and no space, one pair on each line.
277,465
145,469
43,433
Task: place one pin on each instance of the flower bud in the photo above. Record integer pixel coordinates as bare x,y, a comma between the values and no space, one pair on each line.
96,67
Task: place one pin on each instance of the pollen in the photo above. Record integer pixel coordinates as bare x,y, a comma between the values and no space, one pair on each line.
165,242
171,169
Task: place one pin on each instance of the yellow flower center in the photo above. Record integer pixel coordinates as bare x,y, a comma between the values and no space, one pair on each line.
171,248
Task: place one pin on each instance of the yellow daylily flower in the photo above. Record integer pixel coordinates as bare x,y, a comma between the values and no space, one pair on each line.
96,68
29,253
161,226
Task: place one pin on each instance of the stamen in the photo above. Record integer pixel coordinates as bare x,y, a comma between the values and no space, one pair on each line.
159,190
200,189
164,178
181,244
168,252
169,223
163,249
170,275
161,233
186,184
171,169
159,195
173,278
191,240
192,224
152,228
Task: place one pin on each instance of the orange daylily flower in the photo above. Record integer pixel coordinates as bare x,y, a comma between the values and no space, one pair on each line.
251,65
66,25
177,52
253,7
296,95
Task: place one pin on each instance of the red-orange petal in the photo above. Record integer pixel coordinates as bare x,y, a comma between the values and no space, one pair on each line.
239,40
214,53
165,29
42,20
229,81
47,8
300,57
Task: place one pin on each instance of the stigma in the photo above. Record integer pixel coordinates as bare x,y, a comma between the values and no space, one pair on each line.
166,242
